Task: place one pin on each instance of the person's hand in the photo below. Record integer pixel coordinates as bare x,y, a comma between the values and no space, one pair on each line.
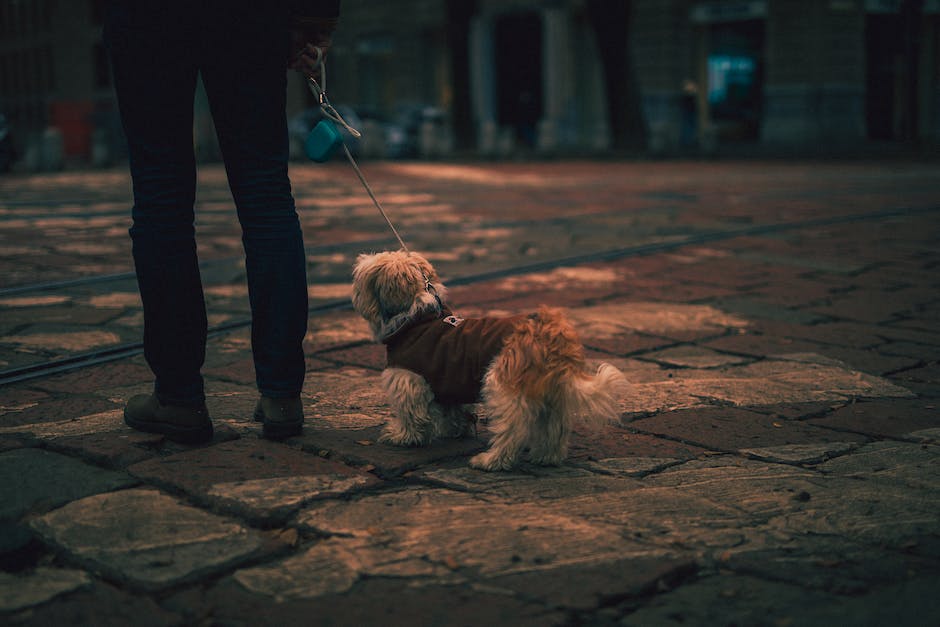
308,49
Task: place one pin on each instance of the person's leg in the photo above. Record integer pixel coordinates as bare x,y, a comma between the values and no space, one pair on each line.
153,62
244,71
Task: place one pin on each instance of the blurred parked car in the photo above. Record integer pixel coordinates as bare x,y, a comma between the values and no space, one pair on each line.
409,120
384,137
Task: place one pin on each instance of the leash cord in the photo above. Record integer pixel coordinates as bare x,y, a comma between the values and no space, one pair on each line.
372,196
331,113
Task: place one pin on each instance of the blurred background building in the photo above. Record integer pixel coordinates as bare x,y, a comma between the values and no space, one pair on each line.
501,78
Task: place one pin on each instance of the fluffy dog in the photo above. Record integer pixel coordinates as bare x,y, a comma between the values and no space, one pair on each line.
529,371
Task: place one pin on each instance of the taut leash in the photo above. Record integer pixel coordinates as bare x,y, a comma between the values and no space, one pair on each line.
378,205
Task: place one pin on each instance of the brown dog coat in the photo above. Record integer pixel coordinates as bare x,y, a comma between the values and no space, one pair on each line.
451,353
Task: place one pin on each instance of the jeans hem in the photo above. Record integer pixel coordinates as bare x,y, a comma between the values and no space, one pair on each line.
279,394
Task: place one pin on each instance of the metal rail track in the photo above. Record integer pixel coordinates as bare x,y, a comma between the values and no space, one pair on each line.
120,276
15,290
92,358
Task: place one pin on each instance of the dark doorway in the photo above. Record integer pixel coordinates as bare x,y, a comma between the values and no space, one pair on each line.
518,54
459,15
890,73
736,78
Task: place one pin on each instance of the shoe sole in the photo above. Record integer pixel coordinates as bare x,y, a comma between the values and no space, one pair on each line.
278,430
181,435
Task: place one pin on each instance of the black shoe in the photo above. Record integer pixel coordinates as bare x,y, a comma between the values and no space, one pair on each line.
281,417
186,425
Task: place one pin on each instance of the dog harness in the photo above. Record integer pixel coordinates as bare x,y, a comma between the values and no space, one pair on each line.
451,353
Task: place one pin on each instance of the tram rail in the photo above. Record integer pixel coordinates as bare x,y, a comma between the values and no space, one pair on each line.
91,358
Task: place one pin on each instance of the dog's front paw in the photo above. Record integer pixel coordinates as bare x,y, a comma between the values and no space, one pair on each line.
490,461
401,438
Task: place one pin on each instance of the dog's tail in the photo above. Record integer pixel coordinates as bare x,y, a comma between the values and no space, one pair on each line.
544,359
593,399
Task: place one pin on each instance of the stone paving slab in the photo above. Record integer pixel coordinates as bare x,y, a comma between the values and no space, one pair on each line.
19,314
742,600
915,465
367,356
880,418
60,410
34,481
146,539
828,563
97,380
39,586
874,361
797,501
694,357
803,454
12,442
734,429
112,449
253,478
434,536
680,322
96,603
104,438
382,601
925,374
779,379
361,448
583,587
754,343
672,520
488,536
531,483
616,442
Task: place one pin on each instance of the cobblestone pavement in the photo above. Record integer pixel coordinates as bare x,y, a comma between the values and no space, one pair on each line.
775,463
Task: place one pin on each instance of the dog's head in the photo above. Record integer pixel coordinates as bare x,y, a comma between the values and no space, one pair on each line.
392,288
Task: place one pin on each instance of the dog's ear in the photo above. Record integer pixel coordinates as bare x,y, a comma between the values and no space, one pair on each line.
363,261
365,301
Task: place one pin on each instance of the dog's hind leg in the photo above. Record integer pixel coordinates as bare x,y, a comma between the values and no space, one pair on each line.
417,419
512,420
548,441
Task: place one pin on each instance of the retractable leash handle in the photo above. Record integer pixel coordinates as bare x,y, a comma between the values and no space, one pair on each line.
323,141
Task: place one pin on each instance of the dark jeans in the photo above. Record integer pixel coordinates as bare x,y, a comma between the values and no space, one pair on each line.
157,49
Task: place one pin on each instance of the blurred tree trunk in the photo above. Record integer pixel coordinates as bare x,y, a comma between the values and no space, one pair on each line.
610,20
912,16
